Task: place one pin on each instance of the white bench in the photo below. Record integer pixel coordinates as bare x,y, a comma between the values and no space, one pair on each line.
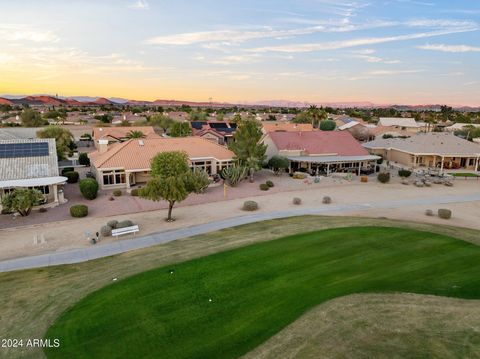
126,230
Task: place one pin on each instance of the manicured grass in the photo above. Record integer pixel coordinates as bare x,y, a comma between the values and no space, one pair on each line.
460,174
257,290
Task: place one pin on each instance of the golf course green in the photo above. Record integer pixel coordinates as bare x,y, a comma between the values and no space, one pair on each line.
226,304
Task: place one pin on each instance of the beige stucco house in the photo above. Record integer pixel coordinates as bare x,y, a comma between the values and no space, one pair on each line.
428,150
126,164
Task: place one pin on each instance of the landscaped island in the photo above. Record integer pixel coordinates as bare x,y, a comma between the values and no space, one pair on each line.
226,304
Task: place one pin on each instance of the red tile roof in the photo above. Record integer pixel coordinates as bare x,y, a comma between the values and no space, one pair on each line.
339,143
137,154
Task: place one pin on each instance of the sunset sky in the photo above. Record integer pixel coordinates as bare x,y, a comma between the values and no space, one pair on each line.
391,51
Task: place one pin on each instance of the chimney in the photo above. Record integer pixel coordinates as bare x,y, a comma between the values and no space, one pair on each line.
102,146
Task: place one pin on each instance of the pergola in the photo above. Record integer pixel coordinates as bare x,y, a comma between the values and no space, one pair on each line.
334,160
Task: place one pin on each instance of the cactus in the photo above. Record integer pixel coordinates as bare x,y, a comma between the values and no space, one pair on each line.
233,175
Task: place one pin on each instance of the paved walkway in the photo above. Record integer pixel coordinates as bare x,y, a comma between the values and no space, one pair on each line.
121,246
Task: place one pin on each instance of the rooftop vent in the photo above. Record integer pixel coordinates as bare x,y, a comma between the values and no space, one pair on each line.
141,143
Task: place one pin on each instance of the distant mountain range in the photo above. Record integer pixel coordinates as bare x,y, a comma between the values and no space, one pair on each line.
48,100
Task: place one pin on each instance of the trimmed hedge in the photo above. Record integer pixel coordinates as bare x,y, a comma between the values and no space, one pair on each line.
444,213
106,231
125,223
264,187
72,176
269,183
79,210
67,169
250,206
134,192
383,177
117,193
297,201
326,200
89,188
404,173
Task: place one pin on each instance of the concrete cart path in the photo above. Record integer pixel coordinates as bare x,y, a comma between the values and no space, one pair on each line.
121,246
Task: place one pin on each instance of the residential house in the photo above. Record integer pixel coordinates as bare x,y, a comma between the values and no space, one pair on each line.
285,127
433,150
105,136
220,132
320,151
31,163
126,164
407,124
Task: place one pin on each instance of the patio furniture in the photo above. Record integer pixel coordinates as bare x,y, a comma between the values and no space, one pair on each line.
125,230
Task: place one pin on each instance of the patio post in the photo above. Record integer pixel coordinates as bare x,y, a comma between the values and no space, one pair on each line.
328,169
441,167
359,167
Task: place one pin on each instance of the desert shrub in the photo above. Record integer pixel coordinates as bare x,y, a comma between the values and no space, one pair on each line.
383,177
79,210
278,163
106,231
299,176
297,201
83,159
429,212
134,192
89,188
113,223
125,223
364,179
269,183
250,206
67,169
111,198
404,173
117,193
264,187
444,213
72,176
326,200
42,210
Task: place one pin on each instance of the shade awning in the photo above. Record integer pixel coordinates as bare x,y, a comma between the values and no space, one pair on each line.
333,159
33,182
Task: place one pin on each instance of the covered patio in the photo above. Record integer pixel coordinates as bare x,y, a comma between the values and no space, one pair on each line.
327,165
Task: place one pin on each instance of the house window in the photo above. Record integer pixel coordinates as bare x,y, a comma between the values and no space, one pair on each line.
113,177
43,189
471,162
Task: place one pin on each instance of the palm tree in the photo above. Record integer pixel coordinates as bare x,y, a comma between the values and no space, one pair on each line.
135,134
317,115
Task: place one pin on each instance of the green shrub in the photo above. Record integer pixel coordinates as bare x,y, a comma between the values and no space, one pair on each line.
89,188
326,200
113,223
83,159
79,210
134,192
327,125
429,212
383,177
297,201
67,169
444,213
117,193
106,231
250,206
72,176
269,183
404,173
125,223
264,187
